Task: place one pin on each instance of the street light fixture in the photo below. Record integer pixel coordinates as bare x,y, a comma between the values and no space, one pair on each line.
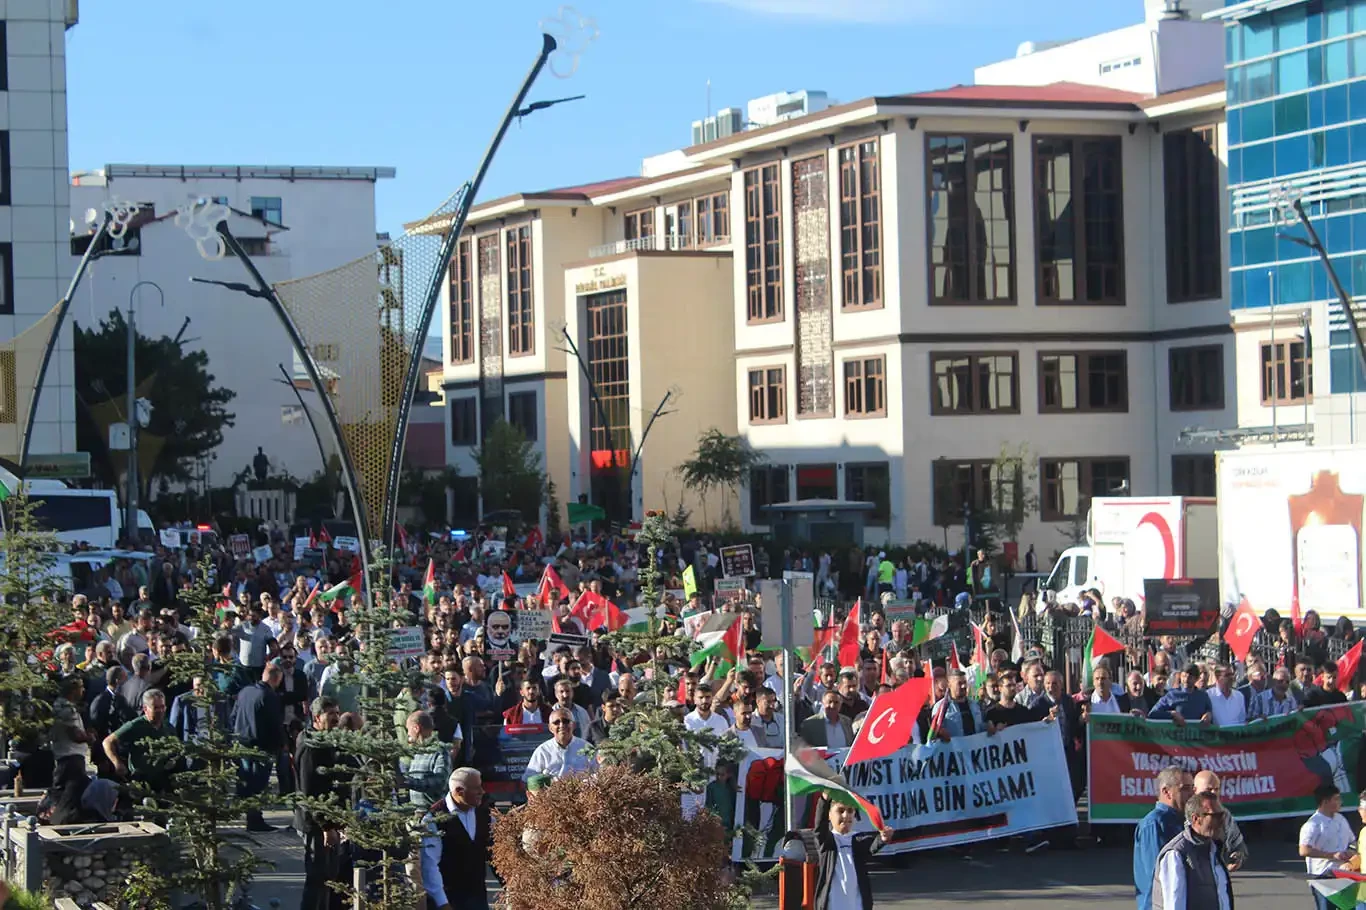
136,410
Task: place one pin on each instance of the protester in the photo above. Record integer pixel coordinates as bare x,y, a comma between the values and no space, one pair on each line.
564,753
1190,875
456,850
1326,839
1158,828
842,868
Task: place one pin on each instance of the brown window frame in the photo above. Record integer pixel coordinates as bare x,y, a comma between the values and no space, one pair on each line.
946,515
1278,362
1082,370
1007,190
639,224
1193,352
770,393
462,304
465,433
1085,481
861,382
1193,205
860,224
1196,466
520,284
763,490
937,409
881,515
528,422
763,244
706,218
1082,148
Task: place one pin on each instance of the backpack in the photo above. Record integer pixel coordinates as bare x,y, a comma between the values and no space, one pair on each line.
764,781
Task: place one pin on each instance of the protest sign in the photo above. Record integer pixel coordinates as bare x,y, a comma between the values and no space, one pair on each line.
566,640
493,548
737,561
314,556
903,610
788,574
760,770
262,553
241,545
1180,606
533,624
349,544
300,548
502,753
170,538
406,642
963,791
729,588
1268,769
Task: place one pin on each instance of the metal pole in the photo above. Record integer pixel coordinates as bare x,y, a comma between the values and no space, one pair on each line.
645,434
312,424
789,715
64,305
130,499
405,402
602,410
1343,297
1275,361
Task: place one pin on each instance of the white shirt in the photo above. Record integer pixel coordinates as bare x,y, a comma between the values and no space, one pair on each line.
431,853
844,893
561,761
834,736
1228,710
1327,835
745,736
251,643
1104,706
1171,878
714,722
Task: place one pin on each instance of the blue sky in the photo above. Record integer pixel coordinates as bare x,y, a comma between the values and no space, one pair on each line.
420,86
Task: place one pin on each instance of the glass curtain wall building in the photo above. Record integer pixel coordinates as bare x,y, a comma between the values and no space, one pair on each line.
1297,124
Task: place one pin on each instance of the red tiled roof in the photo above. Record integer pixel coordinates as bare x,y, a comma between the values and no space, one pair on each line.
1053,93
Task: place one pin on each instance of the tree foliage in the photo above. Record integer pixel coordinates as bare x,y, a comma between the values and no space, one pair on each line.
611,841
29,583
427,491
720,462
189,412
510,472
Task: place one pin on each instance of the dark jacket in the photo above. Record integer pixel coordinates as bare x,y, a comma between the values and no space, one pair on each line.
813,730
257,718
463,860
1205,875
865,845
107,713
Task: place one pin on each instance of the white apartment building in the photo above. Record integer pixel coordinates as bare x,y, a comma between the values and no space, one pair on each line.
34,266
293,221
918,283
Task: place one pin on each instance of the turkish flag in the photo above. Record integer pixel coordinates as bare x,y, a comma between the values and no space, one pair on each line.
849,637
1347,666
1242,629
509,591
890,721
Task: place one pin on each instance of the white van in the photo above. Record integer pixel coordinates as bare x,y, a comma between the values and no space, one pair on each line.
91,517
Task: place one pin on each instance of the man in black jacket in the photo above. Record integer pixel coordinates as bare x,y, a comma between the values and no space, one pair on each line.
842,869
455,853
107,714
258,722
324,856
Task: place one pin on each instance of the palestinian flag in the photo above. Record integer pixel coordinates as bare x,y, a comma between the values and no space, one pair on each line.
429,583
637,619
9,484
721,636
928,630
808,773
343,590
1100,644
1341,892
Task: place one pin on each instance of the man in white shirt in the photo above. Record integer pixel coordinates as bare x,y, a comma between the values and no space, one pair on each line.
564,701
454,861
564,754
1226,703
1189,872
702,717
1103,700
1326,839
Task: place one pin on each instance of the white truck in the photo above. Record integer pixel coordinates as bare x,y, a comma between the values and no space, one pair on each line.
1290,523
1130,539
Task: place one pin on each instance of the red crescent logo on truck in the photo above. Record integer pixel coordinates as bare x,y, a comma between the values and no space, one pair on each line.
1168,541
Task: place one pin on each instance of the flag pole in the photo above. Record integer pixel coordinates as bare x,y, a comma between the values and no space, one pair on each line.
789,716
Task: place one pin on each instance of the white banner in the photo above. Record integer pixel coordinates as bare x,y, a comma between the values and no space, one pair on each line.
170,538
969,789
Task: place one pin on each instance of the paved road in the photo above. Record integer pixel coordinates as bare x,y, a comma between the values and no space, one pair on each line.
1047,880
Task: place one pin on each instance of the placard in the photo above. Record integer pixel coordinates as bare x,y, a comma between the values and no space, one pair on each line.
899,611
406,642
241,545
263,553
300,548
314,556
737,561
535,624
730,588
349,544
1180,606
493,548
170,538
789,575
558,640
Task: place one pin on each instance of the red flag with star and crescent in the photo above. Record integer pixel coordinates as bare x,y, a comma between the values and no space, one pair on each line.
890,721
1242,629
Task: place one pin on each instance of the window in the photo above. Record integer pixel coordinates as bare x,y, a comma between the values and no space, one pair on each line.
609,365
523,413
974,384
269,208
768,395
6,280
1193,475
972,224
861,225
9,398
817,481
4,57
1345,371
767,485
713,218
870,483
1287,374
865,387
1190,165
1196,375
1080,214
640,226
961,486
462,305
683,229
521,312
464,422
4,168
1070,483
763,245
1083,381
464,501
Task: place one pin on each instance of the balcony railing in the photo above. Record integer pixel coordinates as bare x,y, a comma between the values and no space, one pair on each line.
658,242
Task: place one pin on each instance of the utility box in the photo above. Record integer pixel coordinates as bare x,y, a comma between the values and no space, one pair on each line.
799,867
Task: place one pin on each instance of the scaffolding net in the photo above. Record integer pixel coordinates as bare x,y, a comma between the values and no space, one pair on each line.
21,357
359,323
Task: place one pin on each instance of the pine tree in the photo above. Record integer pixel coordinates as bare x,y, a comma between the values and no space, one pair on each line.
207,861
379,821
30,584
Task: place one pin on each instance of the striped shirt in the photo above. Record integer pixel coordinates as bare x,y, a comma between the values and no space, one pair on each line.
1265,704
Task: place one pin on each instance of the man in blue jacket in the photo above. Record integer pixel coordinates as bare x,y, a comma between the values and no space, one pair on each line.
1188,703
1166,821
